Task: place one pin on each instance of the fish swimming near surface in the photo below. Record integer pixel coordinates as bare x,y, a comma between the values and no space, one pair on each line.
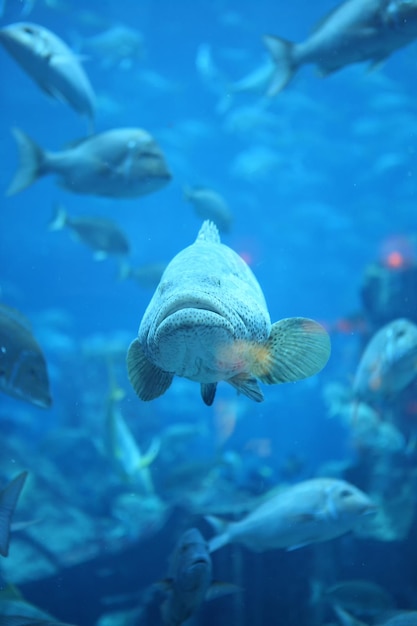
210,205
190,579
9,496
23,370
51,64
118,163
102,235
388,363
309,512
355,31
208,321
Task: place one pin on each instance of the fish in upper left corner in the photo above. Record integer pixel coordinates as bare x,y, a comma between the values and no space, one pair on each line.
23,370
51,64
190,579
355,31
9,496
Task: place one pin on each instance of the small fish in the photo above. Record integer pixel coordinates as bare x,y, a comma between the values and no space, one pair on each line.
190,579
51,64
360,597
117,46
147,275
355,31
9,496
210,205
23,371
119,163
208,321
309,512
100,234
388,363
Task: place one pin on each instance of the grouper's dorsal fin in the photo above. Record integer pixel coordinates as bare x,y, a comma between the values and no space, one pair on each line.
208,232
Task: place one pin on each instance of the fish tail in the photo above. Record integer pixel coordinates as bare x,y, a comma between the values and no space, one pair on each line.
32,163
8,501
59,218
282,53
221,528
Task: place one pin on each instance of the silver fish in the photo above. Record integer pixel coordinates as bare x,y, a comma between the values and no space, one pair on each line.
9,496
190,579
309,512
389,362
102,235
50,63
208,321
23,371
354,32
119,163
210,205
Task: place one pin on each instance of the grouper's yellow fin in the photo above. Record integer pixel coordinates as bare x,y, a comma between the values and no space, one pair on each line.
148,380
297,348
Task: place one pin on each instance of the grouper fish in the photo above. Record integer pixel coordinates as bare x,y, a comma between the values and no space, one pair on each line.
355,31
208,321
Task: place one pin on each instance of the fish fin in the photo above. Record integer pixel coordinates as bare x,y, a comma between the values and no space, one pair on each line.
282,54
8,500
220,526
248,386
297,348
218,589
147,379
59,218
151,453
208,232
208,391
32,163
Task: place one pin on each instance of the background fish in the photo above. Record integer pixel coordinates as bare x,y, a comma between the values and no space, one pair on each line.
208,321
312,511
102,235
388,363
353,32
119,163
50,63
210,205
23,370
9,496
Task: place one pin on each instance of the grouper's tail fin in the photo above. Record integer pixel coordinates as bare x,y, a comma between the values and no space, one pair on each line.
32,163
282,53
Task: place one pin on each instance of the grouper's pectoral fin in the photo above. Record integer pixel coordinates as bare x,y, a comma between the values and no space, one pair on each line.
248,386
147,379
208,391
297,348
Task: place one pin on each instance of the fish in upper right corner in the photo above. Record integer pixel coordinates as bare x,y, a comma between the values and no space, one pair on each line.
388,364
355,31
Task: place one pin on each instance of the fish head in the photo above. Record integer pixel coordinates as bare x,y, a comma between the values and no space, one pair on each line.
25,41
193,561
346,503
144,161
29,379
192,332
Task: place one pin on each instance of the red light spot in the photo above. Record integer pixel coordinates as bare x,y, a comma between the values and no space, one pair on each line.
247,257
395,260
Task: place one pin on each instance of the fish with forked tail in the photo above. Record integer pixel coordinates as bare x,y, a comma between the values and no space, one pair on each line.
353,32
208,321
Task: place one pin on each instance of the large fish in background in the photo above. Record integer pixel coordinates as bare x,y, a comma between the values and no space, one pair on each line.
51,64
355,31
208,321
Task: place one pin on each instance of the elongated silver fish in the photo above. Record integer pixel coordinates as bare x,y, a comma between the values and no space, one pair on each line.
354,32
309,512
208,321
8,500
388,363
50,63
119,163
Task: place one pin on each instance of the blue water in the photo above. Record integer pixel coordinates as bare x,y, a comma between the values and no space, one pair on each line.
342,185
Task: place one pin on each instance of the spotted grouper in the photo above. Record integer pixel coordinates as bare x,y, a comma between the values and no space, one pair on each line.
208,321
